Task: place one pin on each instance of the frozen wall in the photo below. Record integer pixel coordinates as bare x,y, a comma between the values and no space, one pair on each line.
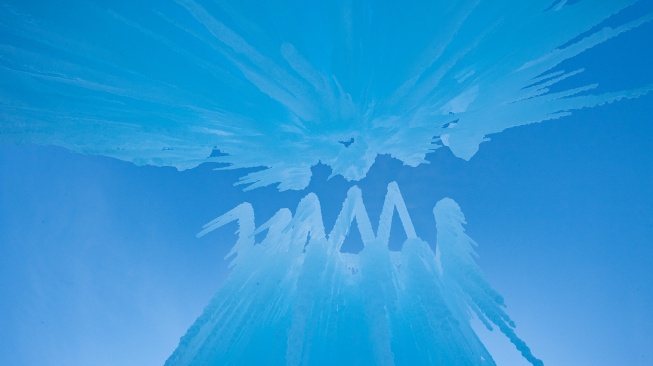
294,298
286,85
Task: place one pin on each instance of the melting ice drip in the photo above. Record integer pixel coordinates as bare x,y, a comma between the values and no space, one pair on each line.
296,299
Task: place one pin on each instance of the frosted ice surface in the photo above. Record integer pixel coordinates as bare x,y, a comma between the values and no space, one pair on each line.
296,299
285,86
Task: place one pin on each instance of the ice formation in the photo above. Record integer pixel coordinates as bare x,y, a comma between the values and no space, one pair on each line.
296,299
282,86
285,85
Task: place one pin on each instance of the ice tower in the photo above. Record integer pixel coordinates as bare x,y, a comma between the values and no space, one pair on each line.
296,299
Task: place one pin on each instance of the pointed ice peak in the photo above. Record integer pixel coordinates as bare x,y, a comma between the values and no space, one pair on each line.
298,295
307,221
462,276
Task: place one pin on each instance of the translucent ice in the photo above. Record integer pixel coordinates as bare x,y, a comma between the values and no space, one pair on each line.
296,299
287,85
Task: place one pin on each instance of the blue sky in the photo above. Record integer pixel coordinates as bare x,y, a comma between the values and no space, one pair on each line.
100,265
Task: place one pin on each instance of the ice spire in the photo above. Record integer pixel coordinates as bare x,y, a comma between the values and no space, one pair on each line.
463,280
296,299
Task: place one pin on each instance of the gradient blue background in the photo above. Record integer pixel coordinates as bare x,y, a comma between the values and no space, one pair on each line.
99,264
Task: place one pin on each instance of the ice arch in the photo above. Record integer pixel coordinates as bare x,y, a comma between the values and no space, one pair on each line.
286,85
296,299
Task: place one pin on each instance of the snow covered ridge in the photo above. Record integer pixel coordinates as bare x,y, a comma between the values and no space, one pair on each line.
284,87
295,299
